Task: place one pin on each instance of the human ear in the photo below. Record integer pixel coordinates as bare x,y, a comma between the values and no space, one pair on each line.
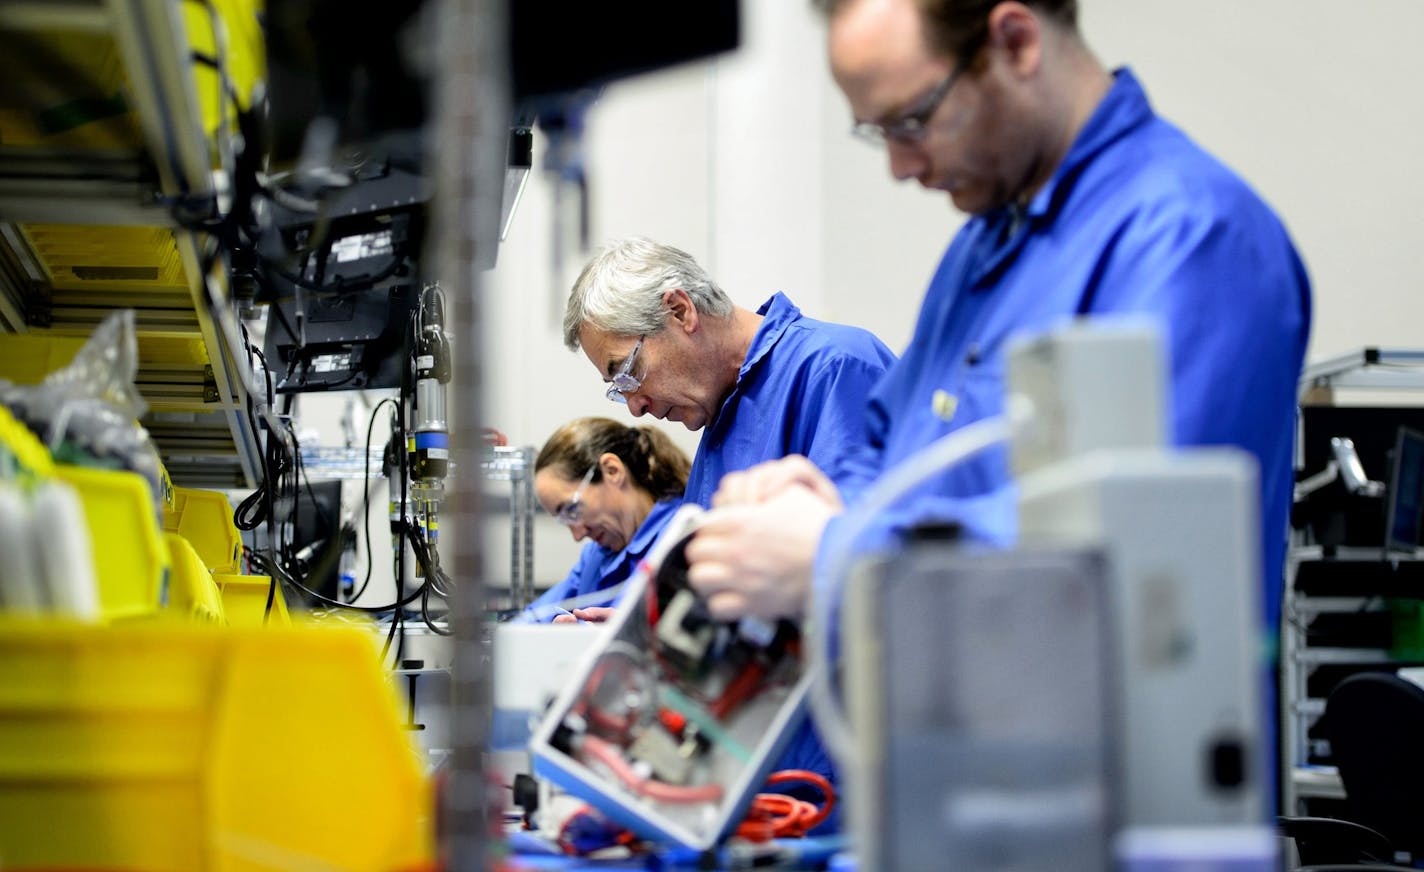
680,309
611,465
1015,31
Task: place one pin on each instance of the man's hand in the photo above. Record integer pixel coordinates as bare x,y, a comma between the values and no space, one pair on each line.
768,480
756,559
594,615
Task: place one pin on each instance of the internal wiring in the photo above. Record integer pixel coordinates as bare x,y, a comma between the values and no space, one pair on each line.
612,758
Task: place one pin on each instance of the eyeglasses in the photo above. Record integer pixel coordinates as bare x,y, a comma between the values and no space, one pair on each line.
623,381
913,125
570,512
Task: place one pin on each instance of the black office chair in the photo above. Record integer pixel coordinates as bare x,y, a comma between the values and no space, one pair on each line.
1375,721
1376,726
1323,843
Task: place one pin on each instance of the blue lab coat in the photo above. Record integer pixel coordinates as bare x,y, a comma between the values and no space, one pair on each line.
801,390
1136,219
600,568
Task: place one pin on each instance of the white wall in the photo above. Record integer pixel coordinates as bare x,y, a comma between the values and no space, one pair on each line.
1317,104
746,163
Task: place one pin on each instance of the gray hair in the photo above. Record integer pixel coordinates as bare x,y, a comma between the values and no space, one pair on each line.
621,289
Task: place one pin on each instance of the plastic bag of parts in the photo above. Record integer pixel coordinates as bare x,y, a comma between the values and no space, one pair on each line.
86,413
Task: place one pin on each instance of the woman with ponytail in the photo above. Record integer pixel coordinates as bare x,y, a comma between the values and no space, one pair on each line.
615,486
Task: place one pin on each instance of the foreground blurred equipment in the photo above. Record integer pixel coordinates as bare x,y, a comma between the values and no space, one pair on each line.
1128,616
166,747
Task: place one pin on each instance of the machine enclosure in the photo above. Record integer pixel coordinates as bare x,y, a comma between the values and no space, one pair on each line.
1180,532
763,726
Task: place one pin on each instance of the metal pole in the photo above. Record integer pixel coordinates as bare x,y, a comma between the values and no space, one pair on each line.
468,154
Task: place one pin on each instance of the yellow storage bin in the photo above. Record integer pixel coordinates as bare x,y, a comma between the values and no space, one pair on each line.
177,749
21,453
204,518
26,358
245,601
131,559
192,592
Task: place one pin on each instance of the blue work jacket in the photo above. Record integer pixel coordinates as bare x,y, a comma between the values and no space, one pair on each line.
1136,219
801,390
600,568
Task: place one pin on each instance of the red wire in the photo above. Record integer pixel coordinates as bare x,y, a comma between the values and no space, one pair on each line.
739,690
650,592
776,815
609,755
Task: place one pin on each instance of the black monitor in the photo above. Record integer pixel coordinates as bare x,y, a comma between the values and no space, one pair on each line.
341,312
349,341
1404,506
314,516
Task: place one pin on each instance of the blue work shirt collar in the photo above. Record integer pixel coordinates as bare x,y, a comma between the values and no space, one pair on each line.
1001,232
1123,109
652,526
777,314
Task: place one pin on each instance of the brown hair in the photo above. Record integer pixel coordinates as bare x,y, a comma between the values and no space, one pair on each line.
957,28
653,460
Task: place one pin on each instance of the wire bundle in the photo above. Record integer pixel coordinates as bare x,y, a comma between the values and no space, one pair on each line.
779,816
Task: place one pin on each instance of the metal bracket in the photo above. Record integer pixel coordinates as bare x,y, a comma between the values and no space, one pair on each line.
210,385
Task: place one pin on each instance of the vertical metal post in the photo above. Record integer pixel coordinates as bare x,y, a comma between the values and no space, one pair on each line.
468,155
526,522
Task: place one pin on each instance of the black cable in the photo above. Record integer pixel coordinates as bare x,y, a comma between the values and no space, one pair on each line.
425,614
403,458
428,561
263,563
339,284
271,599
366,465
390,636
272,477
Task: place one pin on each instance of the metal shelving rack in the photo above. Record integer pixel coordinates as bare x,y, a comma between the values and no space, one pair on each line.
84,229
516,466
1350,583
512,464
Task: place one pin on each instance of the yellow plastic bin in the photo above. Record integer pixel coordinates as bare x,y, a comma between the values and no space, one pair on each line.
27,454
192,592
245,601
131,559
204,518
178,749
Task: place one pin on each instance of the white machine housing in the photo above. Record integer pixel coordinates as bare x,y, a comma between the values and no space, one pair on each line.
1178,531
1180,534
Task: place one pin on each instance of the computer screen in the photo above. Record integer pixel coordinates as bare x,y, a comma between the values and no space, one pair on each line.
1405,498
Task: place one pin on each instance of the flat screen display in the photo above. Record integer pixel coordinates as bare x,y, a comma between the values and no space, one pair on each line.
1406,492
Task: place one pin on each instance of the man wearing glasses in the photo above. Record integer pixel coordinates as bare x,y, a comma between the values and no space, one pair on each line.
1081,201
760,385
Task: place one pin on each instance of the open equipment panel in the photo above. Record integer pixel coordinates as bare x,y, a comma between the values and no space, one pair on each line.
673,720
